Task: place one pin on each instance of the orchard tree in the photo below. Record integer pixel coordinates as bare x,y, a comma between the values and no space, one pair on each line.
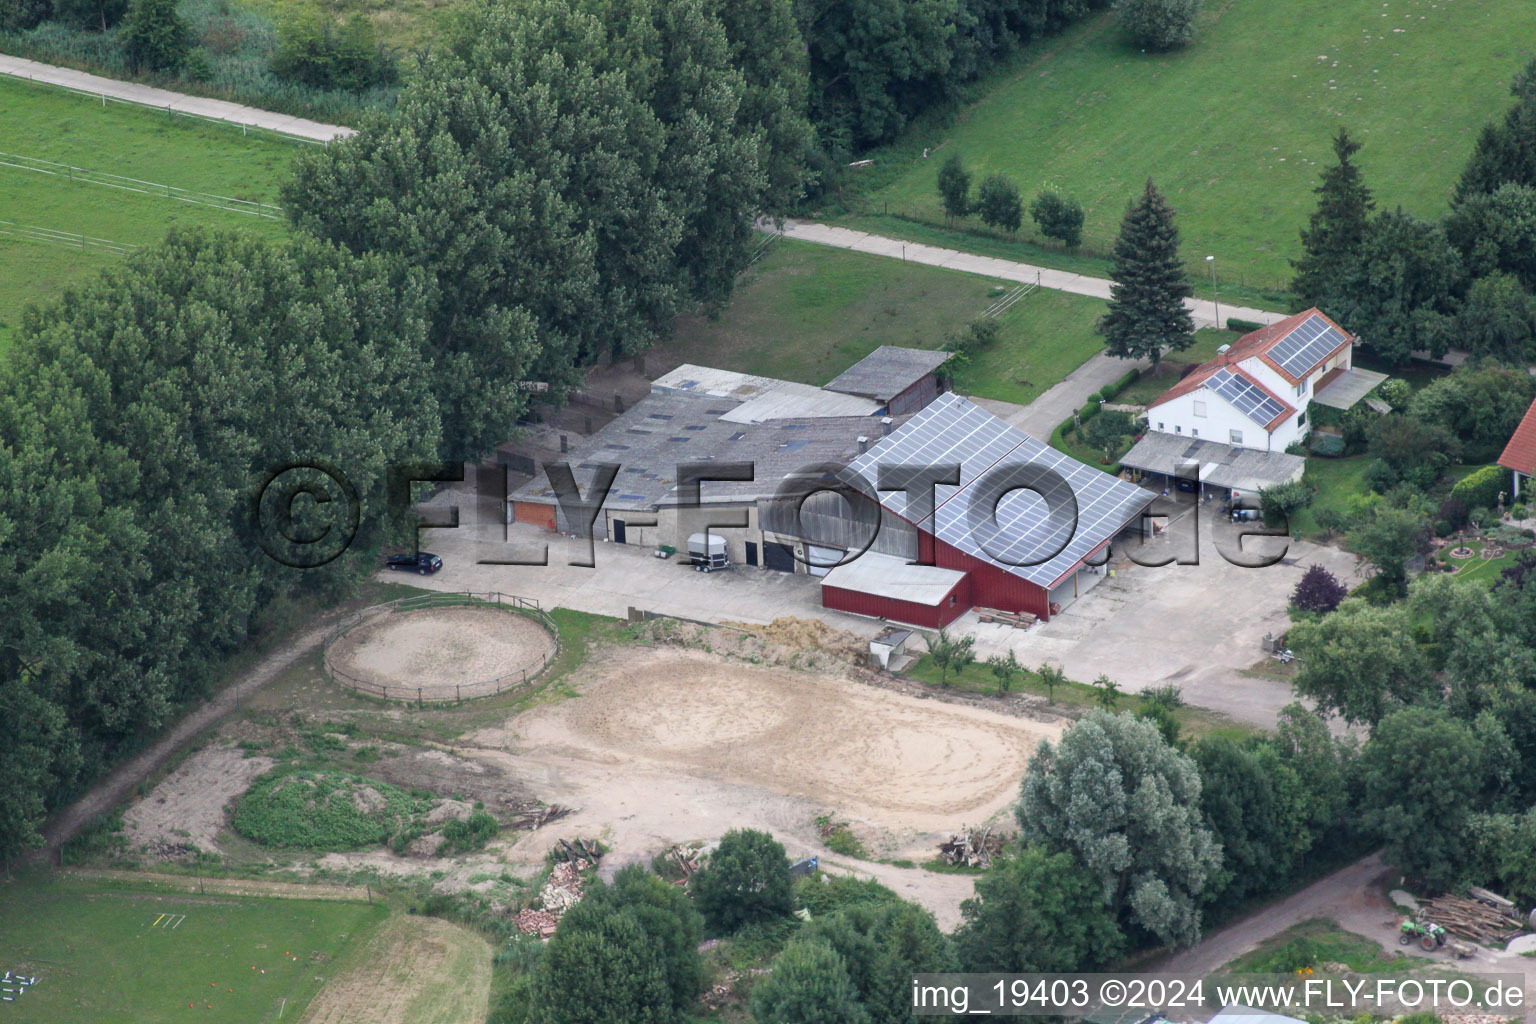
1361,662
1037,913
1051,677
1147,317
1159,24
951,653
1337,227
1059,217
955,187
1318,590
745,880
1126,806
998,203
1005,670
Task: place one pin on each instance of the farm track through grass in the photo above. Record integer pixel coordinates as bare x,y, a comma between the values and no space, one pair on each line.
1235,128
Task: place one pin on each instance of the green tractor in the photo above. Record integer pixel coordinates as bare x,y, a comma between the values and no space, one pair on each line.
1430,936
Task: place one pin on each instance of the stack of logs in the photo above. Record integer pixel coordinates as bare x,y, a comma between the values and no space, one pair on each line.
1018,620
1470,919
973,848
576,849
685,860
538,819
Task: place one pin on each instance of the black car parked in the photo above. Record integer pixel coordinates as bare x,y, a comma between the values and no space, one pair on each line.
424,562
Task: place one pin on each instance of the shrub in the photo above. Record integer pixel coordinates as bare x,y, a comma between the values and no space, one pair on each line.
1318,591
1395,392
1481,488
1111,391
746,880
470,834
326,811
1329,446
1088,412
1453,511
1059,217
154,36
315,51
1159,24
1443,528
1517,511
1243,326
999,205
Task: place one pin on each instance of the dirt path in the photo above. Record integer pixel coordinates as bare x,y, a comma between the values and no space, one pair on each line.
110,791
223,886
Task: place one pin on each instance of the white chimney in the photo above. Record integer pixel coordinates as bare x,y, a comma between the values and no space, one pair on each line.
863,445
885,426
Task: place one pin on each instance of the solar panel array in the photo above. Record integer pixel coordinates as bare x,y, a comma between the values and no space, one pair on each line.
1037,538
1306,346
1246,396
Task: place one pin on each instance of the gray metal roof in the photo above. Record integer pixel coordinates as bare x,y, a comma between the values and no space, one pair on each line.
1037,538
1345,390
1221,465
894,578
661,430
788,400
887,372
689,379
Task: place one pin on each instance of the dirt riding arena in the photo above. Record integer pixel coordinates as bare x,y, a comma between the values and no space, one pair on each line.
667,744
440,653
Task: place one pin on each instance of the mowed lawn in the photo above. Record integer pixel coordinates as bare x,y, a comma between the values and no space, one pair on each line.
38,123
807,312
1236,128
118,956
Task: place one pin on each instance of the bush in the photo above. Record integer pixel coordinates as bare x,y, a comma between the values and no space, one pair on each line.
999,205
1396,392
1059,217
326,811
315,51
1088,412
1159,24
1111,391
1318,591
470,834
1243,326
1443,528
746,880
1517,511
1481,488
154,36
1454,511
1329,446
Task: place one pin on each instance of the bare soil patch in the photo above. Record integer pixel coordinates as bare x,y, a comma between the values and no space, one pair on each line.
465,646
664,745
415,970
188,804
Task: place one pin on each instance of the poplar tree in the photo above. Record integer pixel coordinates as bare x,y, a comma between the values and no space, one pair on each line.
1147,318
1337,227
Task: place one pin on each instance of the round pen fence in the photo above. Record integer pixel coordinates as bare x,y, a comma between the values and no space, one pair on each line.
534,653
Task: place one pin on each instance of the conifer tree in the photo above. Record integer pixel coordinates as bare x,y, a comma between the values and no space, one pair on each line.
1337,227
1147,318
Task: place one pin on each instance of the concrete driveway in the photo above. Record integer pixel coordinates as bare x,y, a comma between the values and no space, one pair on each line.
1195,626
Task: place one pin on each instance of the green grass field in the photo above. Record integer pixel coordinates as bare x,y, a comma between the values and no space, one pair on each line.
100,956
1235,128
806,312
39,123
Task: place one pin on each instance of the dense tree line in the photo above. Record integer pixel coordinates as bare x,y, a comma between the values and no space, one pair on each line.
562,180
1406,284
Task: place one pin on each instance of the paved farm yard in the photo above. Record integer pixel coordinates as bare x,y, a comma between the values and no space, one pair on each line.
1236,128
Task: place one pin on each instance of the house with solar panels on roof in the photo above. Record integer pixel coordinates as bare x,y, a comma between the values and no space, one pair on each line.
1236,415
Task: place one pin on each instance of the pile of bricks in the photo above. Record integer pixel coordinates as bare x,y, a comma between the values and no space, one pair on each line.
560,893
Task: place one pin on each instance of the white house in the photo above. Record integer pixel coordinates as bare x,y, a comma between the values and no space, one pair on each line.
1255,393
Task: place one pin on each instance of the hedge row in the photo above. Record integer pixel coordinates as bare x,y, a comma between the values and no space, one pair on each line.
1110,391
1243,326
1481,487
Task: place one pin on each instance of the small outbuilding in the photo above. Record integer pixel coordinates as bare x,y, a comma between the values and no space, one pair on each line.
886,587
904,380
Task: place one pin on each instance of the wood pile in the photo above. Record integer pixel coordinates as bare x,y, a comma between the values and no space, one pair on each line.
1469,919
1018,620
576,850
974,848
686,861
538,819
